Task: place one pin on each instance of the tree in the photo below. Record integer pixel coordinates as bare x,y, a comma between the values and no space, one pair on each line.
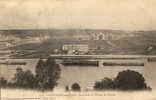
130,80
30,79
67,88
105,83
3,82
24,79
76,87
47,74
18,77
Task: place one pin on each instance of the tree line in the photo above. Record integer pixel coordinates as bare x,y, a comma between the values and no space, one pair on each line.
46,76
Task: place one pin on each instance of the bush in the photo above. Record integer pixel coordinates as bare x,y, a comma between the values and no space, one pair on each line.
47,74
66,88
24,79
125,80
3,82
130,80
104,84
76,87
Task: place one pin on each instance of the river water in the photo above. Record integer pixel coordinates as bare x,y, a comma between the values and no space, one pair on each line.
86,76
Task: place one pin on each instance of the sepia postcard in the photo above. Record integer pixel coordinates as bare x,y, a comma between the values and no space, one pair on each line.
77,50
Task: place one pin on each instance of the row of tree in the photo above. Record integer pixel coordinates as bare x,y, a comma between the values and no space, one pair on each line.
125,80
47,74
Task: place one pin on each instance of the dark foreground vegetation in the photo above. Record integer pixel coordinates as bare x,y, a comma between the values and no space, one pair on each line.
75,87
47,74
125,80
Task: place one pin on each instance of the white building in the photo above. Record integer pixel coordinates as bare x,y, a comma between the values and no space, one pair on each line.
107,36
71,48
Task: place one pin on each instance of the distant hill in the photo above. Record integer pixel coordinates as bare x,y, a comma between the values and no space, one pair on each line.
41,43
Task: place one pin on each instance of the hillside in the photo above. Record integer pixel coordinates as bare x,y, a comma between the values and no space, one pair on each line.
41,43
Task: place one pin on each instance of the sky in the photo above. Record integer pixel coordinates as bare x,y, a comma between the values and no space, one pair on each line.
78,14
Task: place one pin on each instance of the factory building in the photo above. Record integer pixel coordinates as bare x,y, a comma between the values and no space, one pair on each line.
75,48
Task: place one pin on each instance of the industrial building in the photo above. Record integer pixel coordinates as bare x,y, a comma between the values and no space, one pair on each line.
75,48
